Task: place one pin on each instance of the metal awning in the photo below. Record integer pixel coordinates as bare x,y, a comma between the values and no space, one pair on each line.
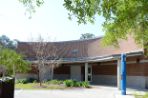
93,59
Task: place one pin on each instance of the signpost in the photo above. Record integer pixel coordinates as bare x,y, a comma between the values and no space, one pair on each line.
123,74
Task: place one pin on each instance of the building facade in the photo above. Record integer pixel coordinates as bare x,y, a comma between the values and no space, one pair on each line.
88,60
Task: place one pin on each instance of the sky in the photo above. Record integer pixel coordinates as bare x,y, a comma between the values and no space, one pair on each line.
50,20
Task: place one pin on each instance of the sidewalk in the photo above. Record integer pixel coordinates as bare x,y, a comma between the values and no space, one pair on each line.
95,92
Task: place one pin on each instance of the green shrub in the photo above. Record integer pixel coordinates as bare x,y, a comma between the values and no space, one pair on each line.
23,81
31,80
35,81
68,83
73,83
78,84
85,84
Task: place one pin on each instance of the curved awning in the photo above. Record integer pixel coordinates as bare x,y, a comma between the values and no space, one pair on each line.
91,59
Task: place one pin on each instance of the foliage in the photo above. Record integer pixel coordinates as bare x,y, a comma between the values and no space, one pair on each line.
44,52
85,84
6,42
87,36
31,80
51,84
35,86
31,5
12,61
25,81
121,17
73,83
68,83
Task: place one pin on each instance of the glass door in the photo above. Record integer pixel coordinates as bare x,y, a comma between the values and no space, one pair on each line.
89,73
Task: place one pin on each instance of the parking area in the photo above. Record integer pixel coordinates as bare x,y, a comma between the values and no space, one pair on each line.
95,92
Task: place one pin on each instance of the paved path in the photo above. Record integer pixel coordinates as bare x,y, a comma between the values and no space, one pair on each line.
95,92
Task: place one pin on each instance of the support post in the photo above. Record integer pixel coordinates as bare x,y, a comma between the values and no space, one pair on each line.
119,74
123,74
86,71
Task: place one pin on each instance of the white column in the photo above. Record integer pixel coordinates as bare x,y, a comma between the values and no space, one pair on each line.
119,74
86,71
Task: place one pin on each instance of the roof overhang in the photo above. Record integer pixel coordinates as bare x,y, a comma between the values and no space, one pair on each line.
106,58
94,59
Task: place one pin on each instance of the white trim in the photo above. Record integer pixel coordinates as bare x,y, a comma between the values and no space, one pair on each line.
86,71
119,74
143,61
129,62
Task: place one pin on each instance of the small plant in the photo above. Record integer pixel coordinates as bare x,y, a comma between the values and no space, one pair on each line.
68,83
85,84
23,81
31,80
78,84
73,83
35,81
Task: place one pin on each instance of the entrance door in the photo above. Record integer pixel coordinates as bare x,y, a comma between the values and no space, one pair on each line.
75,72
89,73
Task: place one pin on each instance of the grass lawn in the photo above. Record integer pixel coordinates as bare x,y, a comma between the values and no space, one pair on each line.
141,96
51,84
37,86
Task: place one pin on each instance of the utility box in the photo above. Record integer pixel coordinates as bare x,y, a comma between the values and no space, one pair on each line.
7,87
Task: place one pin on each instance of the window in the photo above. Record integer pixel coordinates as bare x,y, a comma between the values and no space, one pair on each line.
89,73
74,51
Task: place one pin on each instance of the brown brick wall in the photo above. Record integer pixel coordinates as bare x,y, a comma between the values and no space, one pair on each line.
104,70
146,69
138,69
135,69
63,69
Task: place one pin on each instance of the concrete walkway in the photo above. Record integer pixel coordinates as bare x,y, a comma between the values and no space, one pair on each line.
95,92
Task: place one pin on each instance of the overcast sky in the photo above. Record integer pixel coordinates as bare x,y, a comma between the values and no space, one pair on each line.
49,20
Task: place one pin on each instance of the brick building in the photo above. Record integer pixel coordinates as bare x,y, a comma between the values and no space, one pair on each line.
88,60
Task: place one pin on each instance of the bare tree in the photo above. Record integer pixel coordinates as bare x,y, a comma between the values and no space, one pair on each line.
46,57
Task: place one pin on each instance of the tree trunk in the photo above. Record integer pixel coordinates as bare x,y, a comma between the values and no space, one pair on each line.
52,72
39,78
